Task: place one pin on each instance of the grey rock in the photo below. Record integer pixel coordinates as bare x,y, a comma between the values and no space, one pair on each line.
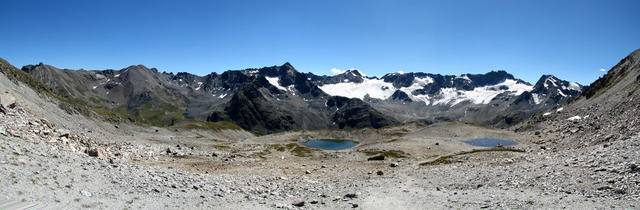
298,204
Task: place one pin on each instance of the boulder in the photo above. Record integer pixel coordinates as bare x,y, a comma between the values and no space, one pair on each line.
351,195
64,133
96,152
7,101
298,204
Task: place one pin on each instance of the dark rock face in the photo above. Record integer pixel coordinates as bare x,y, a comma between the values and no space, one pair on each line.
400,96
249,109
356,113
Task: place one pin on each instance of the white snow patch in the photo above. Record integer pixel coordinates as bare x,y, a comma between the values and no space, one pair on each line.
561,93
546,114
424,98
199,85
560,109
400,72
345,80
117,75
574,86
481,95
574,118
292,89
94,87
253,71
552,80
222,96
418,83
536,98
376,88
274,81
464,77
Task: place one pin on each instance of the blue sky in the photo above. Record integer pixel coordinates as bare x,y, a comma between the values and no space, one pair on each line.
570,39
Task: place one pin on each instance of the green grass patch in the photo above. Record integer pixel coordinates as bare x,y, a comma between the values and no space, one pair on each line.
447,159
387,153
222,125
294,148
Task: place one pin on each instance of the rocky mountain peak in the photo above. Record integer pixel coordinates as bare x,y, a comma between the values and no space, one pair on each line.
354,72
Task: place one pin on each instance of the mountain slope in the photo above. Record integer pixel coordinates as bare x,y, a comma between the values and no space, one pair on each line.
279,98
606,111
262,100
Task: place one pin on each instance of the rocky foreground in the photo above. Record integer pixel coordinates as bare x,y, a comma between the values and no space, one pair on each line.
48,166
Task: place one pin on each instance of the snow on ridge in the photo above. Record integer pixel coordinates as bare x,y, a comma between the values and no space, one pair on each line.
574,86
356,70
536,98
552,80
376,88
275,82
199,85
464,77
418,83
481,95
561,93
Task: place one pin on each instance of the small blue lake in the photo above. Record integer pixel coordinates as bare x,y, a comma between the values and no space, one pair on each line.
490,142
330,144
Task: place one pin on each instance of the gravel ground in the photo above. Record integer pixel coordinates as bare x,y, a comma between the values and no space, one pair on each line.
50,158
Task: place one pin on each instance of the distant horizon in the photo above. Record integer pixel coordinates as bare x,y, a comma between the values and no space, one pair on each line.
364,73
573,40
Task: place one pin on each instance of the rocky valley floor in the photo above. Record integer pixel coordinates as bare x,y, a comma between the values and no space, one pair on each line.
52,167
51,158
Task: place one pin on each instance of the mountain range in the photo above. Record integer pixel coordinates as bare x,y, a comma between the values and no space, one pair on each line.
280,98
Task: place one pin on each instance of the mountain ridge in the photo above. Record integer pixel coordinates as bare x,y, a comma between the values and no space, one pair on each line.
253,98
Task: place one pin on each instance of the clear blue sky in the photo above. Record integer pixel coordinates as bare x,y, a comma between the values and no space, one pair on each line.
570,39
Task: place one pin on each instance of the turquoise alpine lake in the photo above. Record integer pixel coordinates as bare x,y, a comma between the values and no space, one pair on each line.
330,144
490,142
